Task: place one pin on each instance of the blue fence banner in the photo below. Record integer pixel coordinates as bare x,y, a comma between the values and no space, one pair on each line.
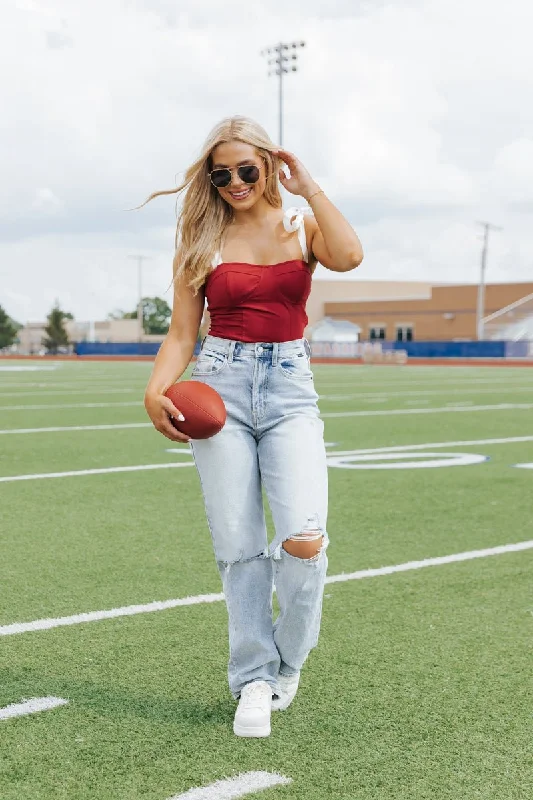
352,350
121,348
449,349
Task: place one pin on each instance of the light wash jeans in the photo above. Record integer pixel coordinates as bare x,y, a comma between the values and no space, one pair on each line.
272,440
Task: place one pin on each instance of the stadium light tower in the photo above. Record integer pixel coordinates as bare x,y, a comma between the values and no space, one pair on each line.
282,59
480,311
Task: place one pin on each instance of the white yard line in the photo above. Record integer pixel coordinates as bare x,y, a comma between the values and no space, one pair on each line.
24,368
432,562
355,389
32,706
232,788
357,394
54,406
63,392
128,611
75,383
432,445
69,428
393,412
356,383
81,472
365,413
111,613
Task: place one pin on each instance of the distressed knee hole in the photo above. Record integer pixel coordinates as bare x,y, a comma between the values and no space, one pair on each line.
306,545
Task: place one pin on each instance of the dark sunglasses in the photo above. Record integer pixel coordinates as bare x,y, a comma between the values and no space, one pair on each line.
220,178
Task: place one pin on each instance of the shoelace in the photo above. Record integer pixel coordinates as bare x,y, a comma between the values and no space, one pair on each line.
254,693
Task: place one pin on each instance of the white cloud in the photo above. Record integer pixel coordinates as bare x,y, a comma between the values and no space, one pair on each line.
45,202
415,116
512,174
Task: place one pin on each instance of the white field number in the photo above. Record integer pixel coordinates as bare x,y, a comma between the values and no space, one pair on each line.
405,460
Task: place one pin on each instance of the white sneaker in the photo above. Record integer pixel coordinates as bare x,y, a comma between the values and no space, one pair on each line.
252,717
289,686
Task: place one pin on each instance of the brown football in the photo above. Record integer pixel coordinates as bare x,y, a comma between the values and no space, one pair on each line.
202,407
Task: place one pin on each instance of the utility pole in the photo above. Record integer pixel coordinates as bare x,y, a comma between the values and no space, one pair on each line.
480,311
282,58
140,320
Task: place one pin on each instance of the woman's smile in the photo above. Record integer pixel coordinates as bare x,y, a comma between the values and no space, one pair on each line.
241,194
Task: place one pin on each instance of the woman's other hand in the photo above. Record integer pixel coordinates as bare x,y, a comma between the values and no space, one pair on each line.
160,409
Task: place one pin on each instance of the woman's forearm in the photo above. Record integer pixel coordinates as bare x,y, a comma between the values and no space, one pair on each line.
171,362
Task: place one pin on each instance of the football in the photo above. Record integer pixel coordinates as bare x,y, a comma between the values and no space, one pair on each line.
202,407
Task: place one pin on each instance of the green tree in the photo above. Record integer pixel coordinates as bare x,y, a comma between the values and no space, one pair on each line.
8,330
56,335
156,315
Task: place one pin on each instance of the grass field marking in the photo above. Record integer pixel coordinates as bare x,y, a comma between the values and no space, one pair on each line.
111,613
365,413
391,412
88,386
77,428
231,788
31,706
505,389
333,453
101,471
431,562
62,392
400,448
75,382
128,611
23,368
54,406
375,460
366,379
379,387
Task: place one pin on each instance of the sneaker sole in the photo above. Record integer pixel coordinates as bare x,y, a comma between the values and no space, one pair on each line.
251,733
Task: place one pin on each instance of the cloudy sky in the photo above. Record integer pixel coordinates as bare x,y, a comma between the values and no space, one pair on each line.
416,116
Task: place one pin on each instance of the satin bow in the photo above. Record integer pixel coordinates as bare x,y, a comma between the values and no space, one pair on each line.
293,217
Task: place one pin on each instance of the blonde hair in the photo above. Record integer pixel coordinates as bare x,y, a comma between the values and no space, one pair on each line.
204,215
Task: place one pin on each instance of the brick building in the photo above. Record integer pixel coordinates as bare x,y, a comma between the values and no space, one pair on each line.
446,313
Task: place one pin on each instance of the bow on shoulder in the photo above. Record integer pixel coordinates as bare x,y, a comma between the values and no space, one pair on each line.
293,217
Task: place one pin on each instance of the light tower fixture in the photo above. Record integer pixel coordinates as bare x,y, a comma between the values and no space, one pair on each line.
282,58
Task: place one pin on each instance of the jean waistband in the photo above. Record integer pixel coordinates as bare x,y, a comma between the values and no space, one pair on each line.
275,350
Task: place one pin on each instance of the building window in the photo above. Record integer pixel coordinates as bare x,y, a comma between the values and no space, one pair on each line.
377,333
404,333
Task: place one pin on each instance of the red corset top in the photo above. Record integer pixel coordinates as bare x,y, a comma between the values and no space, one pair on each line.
256,303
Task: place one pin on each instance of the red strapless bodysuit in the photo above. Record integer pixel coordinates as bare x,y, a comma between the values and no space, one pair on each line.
256,303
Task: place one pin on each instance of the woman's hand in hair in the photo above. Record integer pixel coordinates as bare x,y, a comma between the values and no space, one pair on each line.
300,181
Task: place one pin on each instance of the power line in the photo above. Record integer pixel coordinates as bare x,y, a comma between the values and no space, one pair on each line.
282,59
480,311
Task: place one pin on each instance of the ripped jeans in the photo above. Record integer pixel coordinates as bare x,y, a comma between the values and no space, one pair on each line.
272,441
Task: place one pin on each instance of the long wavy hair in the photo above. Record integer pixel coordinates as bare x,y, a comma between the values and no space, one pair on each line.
204,215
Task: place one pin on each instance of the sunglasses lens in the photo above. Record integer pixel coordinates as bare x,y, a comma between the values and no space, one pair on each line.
221,178
248,173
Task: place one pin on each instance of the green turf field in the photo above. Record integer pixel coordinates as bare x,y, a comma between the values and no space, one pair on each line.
421,687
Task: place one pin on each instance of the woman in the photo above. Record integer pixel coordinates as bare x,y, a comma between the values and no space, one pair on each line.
236,248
